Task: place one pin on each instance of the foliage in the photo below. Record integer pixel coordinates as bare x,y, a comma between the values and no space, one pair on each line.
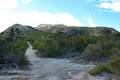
114,64
99,69
18,49
58,44
112,67
19,46
54,45
13,52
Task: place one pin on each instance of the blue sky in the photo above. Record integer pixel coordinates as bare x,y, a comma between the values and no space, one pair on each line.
89,13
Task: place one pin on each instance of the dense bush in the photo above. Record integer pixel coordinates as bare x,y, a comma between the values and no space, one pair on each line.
18,49
13,51
19,46
54,45
99,69
114,64
57,44
112,67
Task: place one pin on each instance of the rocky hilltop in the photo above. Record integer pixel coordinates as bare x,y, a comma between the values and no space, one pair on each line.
17,30
75,30
13,45
81,44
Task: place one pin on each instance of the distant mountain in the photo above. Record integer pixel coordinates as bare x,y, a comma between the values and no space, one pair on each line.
17,30
48,26
74,30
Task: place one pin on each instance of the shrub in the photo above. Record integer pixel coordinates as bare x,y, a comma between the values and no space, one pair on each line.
115,64
18,49
99,69
19,46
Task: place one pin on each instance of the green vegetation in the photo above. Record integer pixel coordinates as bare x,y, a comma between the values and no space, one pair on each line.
99,69
19,46
58,44
112,67
114,64
55,45
13,51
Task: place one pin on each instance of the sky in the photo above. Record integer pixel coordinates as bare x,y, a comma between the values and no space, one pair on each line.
89,13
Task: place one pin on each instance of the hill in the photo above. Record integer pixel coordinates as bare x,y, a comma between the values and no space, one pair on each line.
81,44
13,45
74,30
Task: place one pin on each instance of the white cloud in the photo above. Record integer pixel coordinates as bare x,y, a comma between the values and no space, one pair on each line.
26,1
67,19
8,4
34,18
12,4
113,5
91,23
9,17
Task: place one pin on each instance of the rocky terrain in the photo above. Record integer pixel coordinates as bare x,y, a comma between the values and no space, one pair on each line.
75,30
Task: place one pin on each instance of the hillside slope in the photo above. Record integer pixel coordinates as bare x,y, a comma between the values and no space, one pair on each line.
81,44
13,45
74,30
